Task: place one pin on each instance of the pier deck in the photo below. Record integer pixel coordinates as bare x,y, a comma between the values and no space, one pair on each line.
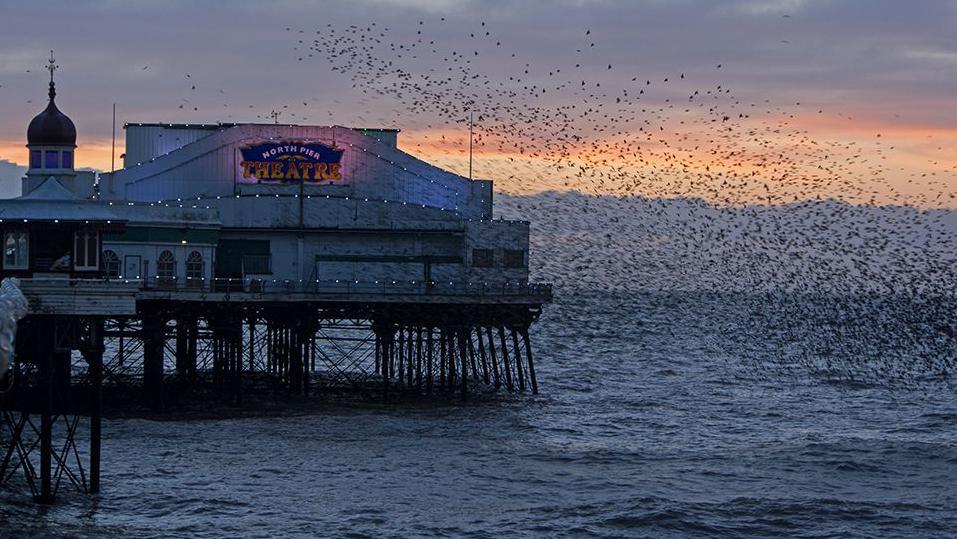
163,341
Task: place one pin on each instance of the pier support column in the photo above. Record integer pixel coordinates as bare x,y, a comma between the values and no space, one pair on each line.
463,355
528,358
295,359
94,359
442,357
154,342
45,365
519,369
182,350
192,343
491,356
251,325
505,363
418,360
429,359
384,335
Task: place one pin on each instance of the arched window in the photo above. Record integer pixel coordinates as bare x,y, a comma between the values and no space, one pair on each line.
166,265
111,264
86,250
194,269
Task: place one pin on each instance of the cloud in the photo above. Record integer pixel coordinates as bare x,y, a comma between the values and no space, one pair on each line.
769,7
10,175
431,6
19,60
937,56
856,57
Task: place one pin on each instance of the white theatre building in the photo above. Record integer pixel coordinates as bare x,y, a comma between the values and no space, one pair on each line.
212,205
307,203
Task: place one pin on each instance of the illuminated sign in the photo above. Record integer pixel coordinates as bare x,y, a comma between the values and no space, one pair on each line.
289,162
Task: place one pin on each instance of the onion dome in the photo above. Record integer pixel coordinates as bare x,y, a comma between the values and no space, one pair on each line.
51,127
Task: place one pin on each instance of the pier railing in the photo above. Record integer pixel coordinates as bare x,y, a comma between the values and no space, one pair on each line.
278,287
349,287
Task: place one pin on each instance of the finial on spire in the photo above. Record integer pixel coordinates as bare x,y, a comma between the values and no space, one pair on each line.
52,66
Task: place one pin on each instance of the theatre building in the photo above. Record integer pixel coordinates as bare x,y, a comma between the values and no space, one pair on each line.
321,205
223,258
255,240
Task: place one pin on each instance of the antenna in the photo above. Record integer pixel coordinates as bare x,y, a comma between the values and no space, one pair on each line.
113,153
470,144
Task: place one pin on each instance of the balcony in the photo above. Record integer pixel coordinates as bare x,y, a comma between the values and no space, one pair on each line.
117,296
340,287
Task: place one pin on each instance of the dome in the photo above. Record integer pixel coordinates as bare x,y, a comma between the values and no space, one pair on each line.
51,127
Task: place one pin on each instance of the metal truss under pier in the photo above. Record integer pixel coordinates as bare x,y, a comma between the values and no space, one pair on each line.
46,401
91,344
305,347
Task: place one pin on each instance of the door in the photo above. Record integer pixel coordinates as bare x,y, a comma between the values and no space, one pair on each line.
132,266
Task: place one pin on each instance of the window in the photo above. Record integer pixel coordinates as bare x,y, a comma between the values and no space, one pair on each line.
231,259
51,159
66,159
194,269
111,264
36,160
513,258
253,264
86,251
16,250
166,265
483,258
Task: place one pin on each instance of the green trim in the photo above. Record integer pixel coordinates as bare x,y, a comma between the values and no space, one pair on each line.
397,259
230,254
163,235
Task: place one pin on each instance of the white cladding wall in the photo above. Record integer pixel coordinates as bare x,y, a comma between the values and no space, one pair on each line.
321,212
209,167
376,255
138,260
497,236
144,142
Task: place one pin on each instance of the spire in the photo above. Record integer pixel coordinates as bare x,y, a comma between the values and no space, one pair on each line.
52,66
51,127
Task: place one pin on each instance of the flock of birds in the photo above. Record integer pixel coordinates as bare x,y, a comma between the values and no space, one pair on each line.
673,183
661,182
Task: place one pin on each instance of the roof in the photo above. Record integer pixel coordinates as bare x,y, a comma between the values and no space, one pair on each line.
51,127
141,214
218,126
51,201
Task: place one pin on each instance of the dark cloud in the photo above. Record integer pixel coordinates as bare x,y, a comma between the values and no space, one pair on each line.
881,57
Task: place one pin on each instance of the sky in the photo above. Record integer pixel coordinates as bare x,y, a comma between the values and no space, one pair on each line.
871,80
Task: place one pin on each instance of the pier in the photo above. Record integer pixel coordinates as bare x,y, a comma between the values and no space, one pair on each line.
190,275
93,341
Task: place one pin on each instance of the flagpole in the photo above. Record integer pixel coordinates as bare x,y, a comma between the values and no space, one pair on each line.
113,152
470,144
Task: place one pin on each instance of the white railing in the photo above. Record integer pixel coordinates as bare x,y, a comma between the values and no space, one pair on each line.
42,285
349,287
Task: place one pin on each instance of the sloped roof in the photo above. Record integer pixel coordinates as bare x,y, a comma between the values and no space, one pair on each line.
52,201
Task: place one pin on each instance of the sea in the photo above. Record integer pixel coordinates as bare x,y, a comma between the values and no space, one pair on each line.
670,414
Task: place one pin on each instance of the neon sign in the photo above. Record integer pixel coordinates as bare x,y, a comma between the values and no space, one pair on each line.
288,162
